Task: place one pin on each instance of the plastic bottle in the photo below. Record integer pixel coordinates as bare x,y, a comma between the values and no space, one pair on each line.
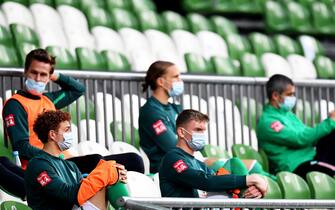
17,158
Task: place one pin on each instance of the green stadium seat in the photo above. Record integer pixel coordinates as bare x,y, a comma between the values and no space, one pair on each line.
251,66
142,5
73,3
197,64
23,48
261,43
5,36
123,19
273,191
293,186
116,61
89,59
14,205
223,26
173,21
112,4
213,151
324,67
225,66
47,2
265,158
85,4
299,17
198,23
98,16
253,107
245,6
323,18
197,6
150,20
224,6
8,56
115,192
276,19
117,133
322,186
243,151
24,2
237,45
306,3
64,58
23,33
286,45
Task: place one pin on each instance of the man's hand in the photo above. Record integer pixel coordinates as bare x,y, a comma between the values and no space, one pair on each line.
252,192
122,172
258,181
54,77
332,115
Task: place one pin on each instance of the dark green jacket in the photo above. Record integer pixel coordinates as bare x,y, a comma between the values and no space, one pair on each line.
70,90
286,140
180,175
157,130
52,183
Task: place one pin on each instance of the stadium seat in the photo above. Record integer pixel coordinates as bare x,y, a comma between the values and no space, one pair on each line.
5,36
84,110
164,48
322,186
98,16
8,56
23,2
275,64
299,17
23,48
303,111
89,59
251,109
146,161
3,21
243,151
118,147
174,21
140,185
261,44
212,151
142,5
72,3
197,6
86,4
11,205
293,186
197,64
198,22
111,4
302,68
286,45
324,67
273,191
64,58
45,2
150,20
114,194
107,39
116,61
223,26
212,44
117,130
311,47
251,66
193,102
225,66
92,147
186,42
123,19
276,19
22,33
237,45
323,18
17,13
49,25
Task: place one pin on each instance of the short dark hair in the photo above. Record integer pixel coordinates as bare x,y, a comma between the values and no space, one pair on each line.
189,114
48,121
42,56
277,83
156,70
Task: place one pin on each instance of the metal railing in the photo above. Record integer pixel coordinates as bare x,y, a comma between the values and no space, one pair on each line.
203,203
233,104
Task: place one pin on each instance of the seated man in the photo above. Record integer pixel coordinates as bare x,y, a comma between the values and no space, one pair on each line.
54,183
289,144
181,175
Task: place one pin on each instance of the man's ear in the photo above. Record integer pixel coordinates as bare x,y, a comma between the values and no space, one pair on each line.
160,82
52,134
180,132
275,95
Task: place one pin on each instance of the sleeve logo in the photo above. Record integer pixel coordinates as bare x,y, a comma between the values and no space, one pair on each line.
9,120
277,126
180,166
44,179
159,127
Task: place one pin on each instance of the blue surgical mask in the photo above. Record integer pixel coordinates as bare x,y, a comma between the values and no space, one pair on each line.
67,142
33,86
177,89
198,141
288,104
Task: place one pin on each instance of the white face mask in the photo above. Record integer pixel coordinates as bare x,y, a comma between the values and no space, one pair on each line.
198,140
67,141
176,89
33,86
288,104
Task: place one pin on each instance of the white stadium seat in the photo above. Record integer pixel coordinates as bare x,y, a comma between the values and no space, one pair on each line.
275,64
186,42
212,44
118,147
302,68
140,185
107,39
17,13
91,147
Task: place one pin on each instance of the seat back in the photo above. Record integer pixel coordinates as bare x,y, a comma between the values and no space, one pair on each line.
65,59
225,66
293,186
310,46
251,65
92,147
142,5
213,151
302,68
150,20
275,16
273,191
212,44
237,45
186,42
286,45
12,205
223,26
299,17
17,13
123,19
325,67
107,39
275,64
98,16
261,43
118,147
322,186
116,61
246,152
174,21
198,23
90,59
140,185
197,64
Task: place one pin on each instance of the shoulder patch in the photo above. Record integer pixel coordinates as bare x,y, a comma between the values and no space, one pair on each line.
180,166
159,127
277,126
44,179
10,120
